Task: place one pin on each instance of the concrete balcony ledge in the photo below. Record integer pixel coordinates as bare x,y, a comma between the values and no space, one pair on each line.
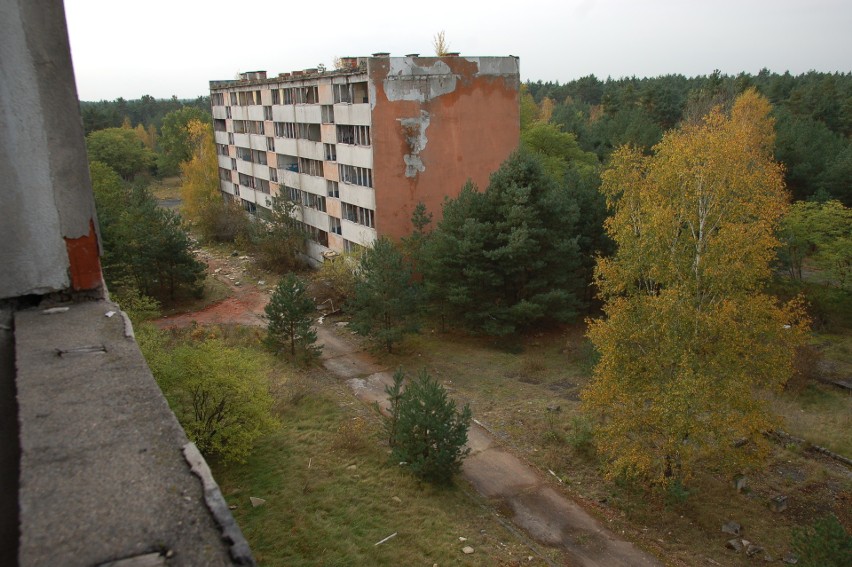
106,472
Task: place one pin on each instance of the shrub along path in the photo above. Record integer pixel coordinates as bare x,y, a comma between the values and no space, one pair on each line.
531,500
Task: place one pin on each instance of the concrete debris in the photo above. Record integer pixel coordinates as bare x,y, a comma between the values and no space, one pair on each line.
109,313
732,528
393,535
736,544
255,502
55,310
467,550
778,503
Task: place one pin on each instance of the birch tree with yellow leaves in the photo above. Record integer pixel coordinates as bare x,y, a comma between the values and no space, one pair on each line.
690,343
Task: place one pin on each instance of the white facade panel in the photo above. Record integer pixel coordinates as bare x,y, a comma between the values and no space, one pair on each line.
360,156
308,113
239,112
315,185
357,195
308,149
286,113
315,218
358,233
286,146
314,252
258,142
219,112
357,114
289,178
226,186
220,137
245,167
242,140
255,112
224,161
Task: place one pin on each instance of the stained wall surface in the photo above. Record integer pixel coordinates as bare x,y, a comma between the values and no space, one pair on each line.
48,232
437,122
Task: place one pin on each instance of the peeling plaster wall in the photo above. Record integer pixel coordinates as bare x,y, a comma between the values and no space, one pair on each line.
437,122
46,199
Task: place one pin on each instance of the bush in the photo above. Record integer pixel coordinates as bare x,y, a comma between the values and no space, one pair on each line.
824,544
220,394
425,430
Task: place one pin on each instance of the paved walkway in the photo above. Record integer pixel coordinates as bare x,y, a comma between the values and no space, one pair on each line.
540,510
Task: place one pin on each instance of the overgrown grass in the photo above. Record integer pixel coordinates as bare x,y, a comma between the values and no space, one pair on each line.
820,413
166,188
214,292
331,495
530,400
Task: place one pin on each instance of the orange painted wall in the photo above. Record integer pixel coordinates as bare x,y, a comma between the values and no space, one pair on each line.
471,131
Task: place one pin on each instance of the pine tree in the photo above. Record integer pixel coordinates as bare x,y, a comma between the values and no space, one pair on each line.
507,258
386,304
426,431
290,312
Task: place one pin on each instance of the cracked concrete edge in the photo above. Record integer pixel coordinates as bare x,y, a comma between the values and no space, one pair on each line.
231,533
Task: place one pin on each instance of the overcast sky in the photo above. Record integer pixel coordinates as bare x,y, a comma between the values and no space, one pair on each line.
174,47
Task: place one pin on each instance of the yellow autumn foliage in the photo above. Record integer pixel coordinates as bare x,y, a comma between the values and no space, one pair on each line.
690,342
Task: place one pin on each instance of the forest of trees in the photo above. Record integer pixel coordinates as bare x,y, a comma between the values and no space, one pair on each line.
813,118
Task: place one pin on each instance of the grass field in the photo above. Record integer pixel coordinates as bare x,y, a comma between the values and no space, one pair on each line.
214,291
167,188
516,389
331,494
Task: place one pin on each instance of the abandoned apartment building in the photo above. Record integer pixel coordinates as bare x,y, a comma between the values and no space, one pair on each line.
357,148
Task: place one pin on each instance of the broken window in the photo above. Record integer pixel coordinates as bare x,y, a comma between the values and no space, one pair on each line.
219,125
288,162
258,156
356,214
309,132
285,129
352,247
333,188
355,175
334,225
351,93
353,135
246,180
327,114
276,97
310,167
267,112
244,153
330,152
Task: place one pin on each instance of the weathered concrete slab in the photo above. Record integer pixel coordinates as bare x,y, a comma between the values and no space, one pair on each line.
103,477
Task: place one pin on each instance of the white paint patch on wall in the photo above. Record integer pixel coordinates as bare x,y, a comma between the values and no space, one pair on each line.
408,81
414,130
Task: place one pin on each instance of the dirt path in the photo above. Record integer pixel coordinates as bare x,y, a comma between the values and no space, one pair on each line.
536,505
